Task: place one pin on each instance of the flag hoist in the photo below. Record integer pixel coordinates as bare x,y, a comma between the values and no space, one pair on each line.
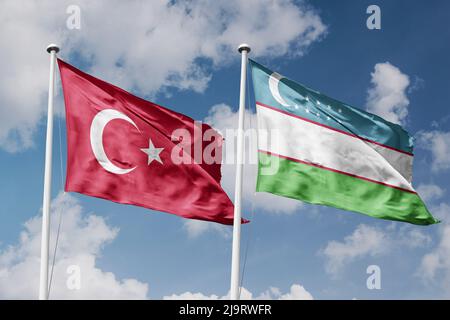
244,49
53,49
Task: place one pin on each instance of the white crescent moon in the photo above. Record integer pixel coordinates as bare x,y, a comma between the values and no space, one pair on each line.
274,81
99,122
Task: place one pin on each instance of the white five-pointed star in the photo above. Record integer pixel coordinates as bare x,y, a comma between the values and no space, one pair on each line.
152,152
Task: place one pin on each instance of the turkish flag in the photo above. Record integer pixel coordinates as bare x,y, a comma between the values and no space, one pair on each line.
129,150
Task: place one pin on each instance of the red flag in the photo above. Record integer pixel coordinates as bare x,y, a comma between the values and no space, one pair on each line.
128,150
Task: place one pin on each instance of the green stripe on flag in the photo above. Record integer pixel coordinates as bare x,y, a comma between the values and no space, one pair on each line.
320,186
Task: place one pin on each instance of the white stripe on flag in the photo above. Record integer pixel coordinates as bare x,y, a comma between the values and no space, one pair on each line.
309,142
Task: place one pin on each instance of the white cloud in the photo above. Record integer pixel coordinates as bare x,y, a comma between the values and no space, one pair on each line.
438,143
195,228
191,296
435,265
24,34
387,96
296,292
144,46
410,237
365,240
368,241
430,192
81,241
442,211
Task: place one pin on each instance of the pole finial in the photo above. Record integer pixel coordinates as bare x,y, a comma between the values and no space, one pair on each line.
244,47
52,47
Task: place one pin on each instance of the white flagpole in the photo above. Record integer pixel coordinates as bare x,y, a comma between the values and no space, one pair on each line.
244,49
43,280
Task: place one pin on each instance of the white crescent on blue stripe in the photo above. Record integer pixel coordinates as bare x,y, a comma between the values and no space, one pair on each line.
274,81
98,124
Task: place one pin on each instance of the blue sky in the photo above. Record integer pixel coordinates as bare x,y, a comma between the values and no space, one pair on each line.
192,68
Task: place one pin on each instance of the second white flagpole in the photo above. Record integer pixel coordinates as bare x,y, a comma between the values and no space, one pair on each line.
43,279
244,49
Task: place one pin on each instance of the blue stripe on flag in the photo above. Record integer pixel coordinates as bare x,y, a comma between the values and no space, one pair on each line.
301,101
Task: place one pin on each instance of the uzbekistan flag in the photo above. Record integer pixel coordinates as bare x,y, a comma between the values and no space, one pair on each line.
322,151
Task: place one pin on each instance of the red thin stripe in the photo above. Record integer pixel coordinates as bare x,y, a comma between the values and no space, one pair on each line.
336,171
331,128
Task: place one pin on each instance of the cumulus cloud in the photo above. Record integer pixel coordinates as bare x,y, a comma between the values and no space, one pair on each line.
296,292
81,241
438,143
365,240
24,34
369,241
195,228
442,212
430,192
387,95
191,296
142,46
245,295
435,265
